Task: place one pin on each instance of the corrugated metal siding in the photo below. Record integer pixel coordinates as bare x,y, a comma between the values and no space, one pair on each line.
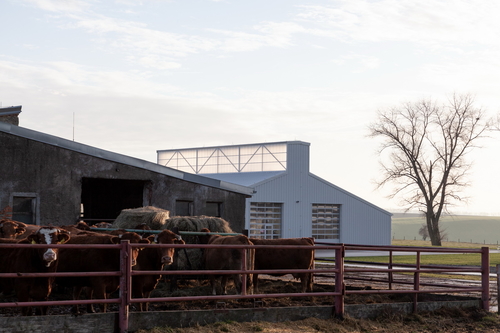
361,222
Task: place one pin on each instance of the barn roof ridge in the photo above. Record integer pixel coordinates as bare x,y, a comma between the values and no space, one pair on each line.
120,158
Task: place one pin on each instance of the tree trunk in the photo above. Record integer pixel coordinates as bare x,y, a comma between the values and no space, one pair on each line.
433,228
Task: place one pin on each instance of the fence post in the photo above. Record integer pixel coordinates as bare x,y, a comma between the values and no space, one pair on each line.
498,288
339,281
391,275
244,268
485,277
125,285
416,283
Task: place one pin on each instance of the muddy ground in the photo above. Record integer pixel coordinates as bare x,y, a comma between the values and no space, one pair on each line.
267,285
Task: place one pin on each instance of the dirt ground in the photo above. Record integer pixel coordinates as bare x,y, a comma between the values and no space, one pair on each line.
450,320
442,321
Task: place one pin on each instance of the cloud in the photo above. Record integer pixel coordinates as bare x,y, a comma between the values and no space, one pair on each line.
58,6
461,22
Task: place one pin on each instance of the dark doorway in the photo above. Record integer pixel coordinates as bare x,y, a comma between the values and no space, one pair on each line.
104,199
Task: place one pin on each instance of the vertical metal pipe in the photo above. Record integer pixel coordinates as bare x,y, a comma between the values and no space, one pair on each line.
244,268
391,275
125,285
339,281
485,277
498,288
416,283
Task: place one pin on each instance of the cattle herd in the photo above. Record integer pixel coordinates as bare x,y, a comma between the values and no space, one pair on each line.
291,254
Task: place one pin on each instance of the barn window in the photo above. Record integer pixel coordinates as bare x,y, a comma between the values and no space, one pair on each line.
265,220
326,221
213,209
184,208
25,207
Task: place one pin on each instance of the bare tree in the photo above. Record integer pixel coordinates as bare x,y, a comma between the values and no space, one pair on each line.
428,144
423,231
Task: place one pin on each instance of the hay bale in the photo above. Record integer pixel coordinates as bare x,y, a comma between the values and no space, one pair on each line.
153,217
194,260
196,223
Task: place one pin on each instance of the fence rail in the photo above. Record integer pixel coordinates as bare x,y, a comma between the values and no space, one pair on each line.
338,270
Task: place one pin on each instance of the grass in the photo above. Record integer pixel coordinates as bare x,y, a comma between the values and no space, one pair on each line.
455,259
461,245
459,228
465,259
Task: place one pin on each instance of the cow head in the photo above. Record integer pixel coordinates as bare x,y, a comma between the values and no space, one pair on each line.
167,253
134,239
49,235
11,229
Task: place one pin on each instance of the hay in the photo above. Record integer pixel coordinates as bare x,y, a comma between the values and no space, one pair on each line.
158,219
194,223
151,216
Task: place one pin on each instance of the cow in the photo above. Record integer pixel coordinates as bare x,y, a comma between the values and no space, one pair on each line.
30,230
87,259
11,229
285,258
227,259
153,259
77,228
32,260
105,225
73,229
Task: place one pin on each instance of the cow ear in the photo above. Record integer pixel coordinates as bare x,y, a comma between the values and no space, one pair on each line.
144,241
31,239
115,240
63,238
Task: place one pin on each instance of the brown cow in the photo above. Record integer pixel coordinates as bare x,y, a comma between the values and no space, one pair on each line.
11,229
30,230
227,259
282,258
102,225
153,259
86,259
77,228
73,229
31,260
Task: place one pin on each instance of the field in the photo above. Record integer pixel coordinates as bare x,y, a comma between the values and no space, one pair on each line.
460,228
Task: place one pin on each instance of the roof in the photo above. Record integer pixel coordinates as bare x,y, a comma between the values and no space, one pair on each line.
245,178
119,158
10,110
254,179
242,145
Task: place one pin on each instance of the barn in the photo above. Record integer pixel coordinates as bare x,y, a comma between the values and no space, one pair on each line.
50,180
289,201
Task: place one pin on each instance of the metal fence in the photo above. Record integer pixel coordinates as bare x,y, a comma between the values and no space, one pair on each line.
340,270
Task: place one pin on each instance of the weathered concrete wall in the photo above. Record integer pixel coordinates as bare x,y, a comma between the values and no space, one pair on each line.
148,320
55,175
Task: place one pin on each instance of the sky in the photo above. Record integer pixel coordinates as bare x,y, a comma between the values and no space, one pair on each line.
134,77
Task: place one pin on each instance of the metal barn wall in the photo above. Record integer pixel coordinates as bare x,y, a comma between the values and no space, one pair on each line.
297,189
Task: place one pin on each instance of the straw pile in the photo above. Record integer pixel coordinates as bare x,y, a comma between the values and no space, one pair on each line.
192,259
153,217
158,219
